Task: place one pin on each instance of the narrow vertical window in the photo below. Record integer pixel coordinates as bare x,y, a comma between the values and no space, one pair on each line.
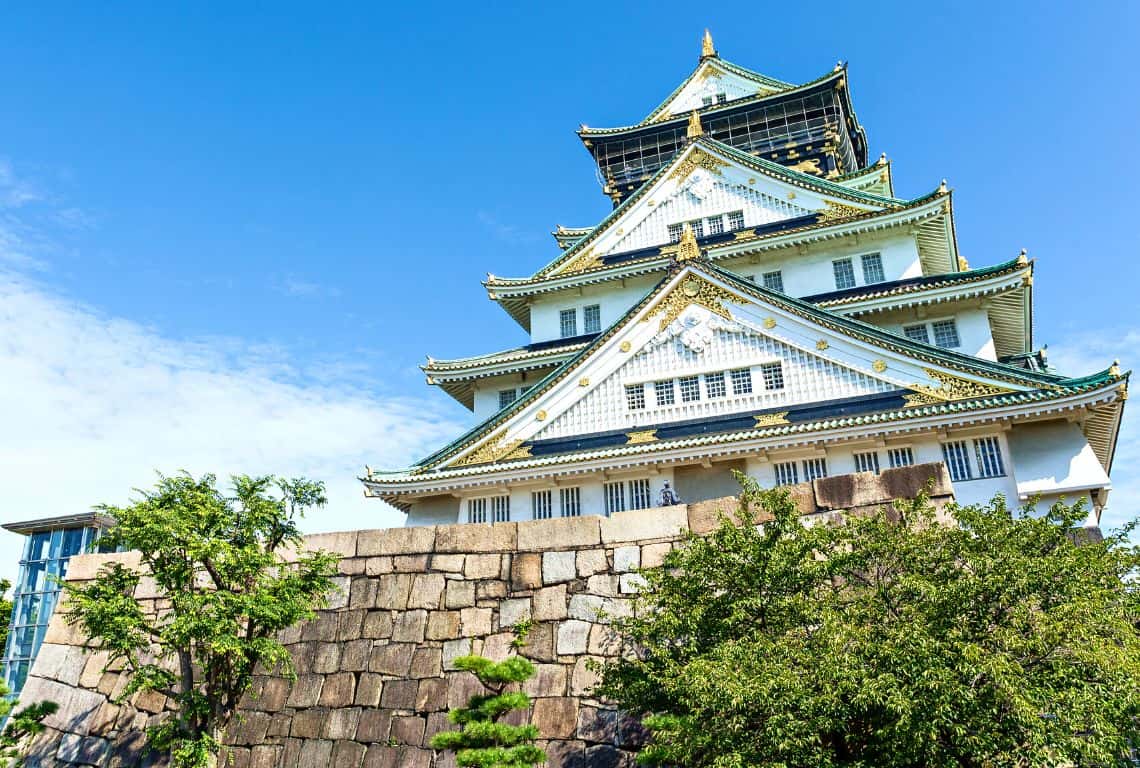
500,509
957,458
946,334
615,497
506,397
741,381
773,374
844,273
706,101
476,510
872,268
714,384
988,452
786,473
867,462
540,503
698,226
900,457
690,389
814,469
570,502
917,333
774,281
736,220
592,318
716,225
635,396
664,392
639,494
568,322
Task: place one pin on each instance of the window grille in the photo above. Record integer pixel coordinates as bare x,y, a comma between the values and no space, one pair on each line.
774,281
786,473
844,273
570,501
476,510
872,268
721,98
615,497
988,451
635,396
900,457
773,374
568,322
541,504
706,101
639,494
675,232
917,333
867,462
736,220
946,334
814,469
665,392
500,509
690,389
714,384
698,226
741,381
592,318
957,458
506,397
716,225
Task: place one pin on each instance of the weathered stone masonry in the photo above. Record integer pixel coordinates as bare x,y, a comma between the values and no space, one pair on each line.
375,672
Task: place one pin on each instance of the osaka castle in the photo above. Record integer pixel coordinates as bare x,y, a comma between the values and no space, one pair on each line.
758,300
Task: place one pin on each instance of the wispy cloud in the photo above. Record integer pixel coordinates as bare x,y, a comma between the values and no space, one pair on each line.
298,287
15,191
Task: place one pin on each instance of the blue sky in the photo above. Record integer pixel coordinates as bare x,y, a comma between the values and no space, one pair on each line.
229,236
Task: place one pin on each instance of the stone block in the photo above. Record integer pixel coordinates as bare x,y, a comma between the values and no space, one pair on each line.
540,642
305,691
408,729
342,543
498,647
526,571
341,723
631,583
442,625
482,566
497,537
426,662
907,482
548,680
459,594
264,756
475,621
604,641
461,686
558,566
338,690
573,637
555,718
374,725
550,603
410,563
86,567
597,725
393,591
351,566
427,591
564,754
605,756
362,592
570,532
64,663
584,677
447,563
605,584
399,694
411,540
845,491
410,627
453,649
653,555
354,656
326,658
641,524
511,612
347,754
431,695
591,561
349,624
627,558
489,589
93,669
631,733
308,723
274,691
315,754
377,625
394,659
376,566
368,689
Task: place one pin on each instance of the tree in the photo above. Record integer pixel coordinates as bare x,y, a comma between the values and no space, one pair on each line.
990,638
230,569
5,612
485,741
28,722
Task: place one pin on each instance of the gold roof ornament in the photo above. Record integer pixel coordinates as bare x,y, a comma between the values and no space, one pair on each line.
708,50
1114,369
882,159
838,66
1023,257
943,187
687,248
695,128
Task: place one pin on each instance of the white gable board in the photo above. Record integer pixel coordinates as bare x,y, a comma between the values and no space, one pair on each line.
709,81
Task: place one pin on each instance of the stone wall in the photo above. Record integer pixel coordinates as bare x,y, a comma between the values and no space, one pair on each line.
375,669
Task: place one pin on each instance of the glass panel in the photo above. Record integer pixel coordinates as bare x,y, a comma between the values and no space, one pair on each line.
592,318
635,396
742,381
917,333
900,457
867,462
873,268
568,322
714,384
844,273
690,389
946,334
957,459
665,392
773,375
989,457
786,473
774,281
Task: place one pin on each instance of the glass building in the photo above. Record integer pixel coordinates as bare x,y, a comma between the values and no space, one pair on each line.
50,545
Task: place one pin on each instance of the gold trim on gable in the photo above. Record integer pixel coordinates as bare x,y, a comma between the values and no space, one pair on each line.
691,290
580,263
770,419
494,450
949,388
698,158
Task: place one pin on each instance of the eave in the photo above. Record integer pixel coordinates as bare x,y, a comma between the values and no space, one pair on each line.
81,520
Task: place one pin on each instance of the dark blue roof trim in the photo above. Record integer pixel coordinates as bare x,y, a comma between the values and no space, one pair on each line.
710,240
566,342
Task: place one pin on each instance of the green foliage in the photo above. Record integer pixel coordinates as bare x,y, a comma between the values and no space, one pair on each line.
484,742
230,570
891,640
26,723
5,612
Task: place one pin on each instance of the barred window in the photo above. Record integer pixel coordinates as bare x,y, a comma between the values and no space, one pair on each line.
900,457
867,462
988,451
716,225
773,374
635,396
774,281
844,273
706,101
814,469
506,397
541,504
786,473
690,389
714,384
957,458
675,231
741,381
664,392
872,268
946,334
570,501
639,494
615,497
721,98
500,509
568,322
592,318
917,333
476,510
736,220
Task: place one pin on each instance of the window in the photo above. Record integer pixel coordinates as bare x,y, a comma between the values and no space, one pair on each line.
786,473
675,231
476,510
721,98
635,396
917,333
844,273
639,494
615,497
698,226
664,392
957,458
568,322
741,381
690,389
946,334
774,281
736,220
592,318
988,452
872,268
706,101
716,225
773,374
714,384
900,457
506,397
500,509
867,462
540,504
814,469
570,501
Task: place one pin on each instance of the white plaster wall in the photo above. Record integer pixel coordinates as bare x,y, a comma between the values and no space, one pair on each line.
615,299
974,329
487,390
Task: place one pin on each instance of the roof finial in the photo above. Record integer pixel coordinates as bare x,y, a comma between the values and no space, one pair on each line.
708,51
883,159
838,65
1023,257
695,128
943,187
1114,369
687,248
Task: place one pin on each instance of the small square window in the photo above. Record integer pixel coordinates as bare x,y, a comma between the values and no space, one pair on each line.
867,462
721,98
900,457
946,334
773,374
786,473
774,281
568,322
957,458
635,396
690,389
741,381
736,220
814,469
714,384
716,225
844,273
664,392
706,101
872,268
506,397
675,231
698,226
917,333
592,318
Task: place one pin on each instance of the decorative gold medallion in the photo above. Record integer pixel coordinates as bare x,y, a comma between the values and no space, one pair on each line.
625,346
583,382
822,345
643,436
541,415
791,195
879,366
769,323
583,261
